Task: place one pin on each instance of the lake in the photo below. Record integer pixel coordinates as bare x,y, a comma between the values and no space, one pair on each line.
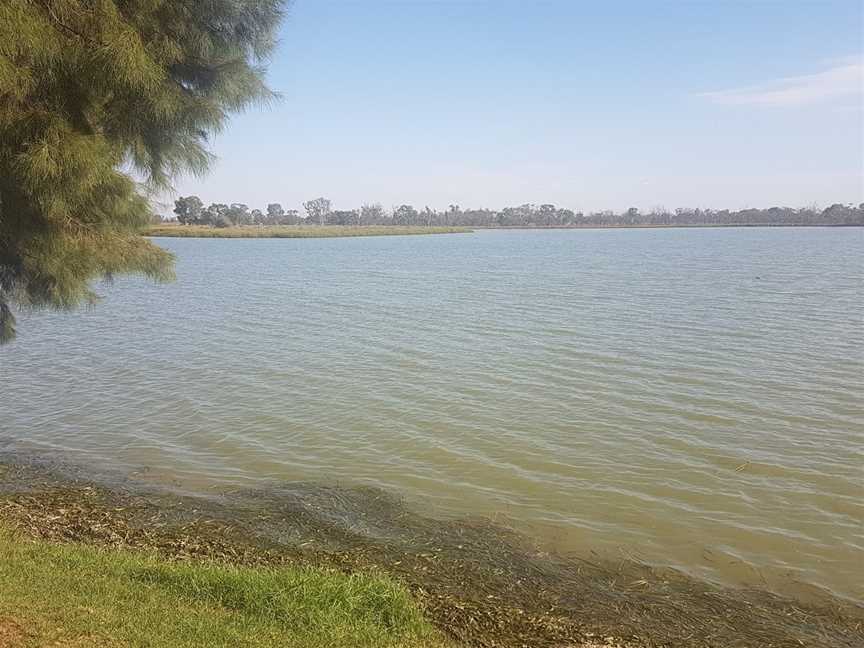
692,397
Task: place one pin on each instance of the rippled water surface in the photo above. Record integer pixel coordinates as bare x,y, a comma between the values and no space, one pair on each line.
689,396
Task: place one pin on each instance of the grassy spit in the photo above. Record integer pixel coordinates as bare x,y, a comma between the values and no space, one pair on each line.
298,231
78,595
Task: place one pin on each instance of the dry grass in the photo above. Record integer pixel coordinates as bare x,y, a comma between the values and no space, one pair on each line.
12,633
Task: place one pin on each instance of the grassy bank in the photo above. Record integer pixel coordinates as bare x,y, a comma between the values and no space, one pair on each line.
299,231
77,595
263,567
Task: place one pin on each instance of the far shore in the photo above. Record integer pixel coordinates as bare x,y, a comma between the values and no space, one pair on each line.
658,226
335,231
295,231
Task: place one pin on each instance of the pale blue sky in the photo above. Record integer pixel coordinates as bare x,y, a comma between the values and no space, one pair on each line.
589,105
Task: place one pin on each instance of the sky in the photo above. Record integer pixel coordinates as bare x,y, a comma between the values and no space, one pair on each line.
588,105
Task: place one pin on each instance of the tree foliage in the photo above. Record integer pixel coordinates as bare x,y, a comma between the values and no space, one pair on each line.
94,93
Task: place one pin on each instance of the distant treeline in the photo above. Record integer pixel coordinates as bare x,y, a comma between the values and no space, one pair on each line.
191,211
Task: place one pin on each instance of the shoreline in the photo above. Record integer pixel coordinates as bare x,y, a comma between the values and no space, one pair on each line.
350,231
679,226
480,584
291,231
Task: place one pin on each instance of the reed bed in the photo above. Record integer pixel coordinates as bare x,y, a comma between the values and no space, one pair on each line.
298,231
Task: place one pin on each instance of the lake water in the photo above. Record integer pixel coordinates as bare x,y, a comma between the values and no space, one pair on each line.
689,396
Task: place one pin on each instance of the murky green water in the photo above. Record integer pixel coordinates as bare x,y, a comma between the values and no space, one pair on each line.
693,397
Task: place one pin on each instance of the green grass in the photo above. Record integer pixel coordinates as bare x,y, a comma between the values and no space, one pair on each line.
298,231
76,595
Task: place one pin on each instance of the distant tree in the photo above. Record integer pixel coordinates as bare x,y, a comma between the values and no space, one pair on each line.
317,210
546,214
239,214
372,214
515,216
88,87
222,221
275,214
189,210
343,217
835,212
404,215
214,213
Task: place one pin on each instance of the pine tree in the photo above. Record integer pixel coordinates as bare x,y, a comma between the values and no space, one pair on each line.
95,93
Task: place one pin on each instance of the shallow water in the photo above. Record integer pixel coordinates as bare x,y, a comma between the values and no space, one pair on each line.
689,396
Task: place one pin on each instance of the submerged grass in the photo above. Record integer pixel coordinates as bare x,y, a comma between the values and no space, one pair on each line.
71,595
298,231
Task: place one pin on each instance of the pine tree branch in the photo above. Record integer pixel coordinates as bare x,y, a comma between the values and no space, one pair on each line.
54,17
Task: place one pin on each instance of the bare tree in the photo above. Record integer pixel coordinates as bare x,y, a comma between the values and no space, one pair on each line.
317,210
